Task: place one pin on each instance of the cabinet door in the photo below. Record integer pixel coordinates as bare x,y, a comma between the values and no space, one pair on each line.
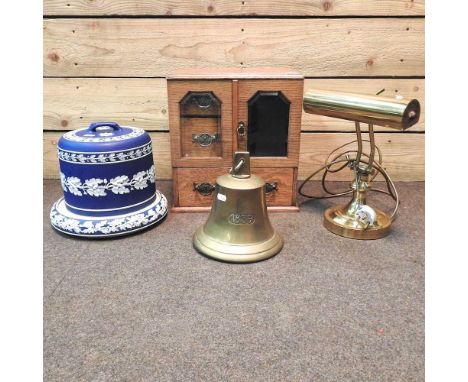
200,121
268,121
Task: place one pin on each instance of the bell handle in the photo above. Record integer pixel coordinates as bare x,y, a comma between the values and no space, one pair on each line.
93,126
238,166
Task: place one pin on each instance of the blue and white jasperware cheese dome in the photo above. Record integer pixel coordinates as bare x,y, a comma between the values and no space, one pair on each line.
108,181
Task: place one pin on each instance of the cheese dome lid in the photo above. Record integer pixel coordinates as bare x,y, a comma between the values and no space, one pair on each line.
103,137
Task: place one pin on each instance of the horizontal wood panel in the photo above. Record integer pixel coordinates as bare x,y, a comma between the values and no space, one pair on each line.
403,153
229,7
72,103
153,47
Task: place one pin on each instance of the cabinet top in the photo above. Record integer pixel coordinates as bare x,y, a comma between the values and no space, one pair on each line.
233,73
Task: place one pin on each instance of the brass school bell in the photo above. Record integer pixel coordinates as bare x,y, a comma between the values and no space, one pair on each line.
238,229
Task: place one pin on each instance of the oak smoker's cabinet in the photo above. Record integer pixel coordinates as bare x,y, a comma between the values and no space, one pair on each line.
214,112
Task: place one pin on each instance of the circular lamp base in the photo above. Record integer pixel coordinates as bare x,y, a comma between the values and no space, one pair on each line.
236,253
338,221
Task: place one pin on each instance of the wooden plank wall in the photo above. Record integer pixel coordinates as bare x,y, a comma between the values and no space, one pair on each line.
107,59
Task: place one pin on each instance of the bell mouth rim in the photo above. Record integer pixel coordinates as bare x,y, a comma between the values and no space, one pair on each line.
249,253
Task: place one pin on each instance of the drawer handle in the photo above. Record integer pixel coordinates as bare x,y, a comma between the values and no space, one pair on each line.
204,189
205,139
270,187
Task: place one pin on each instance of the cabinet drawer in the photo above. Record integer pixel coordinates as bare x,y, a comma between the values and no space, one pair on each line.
188,178
283,180
280,193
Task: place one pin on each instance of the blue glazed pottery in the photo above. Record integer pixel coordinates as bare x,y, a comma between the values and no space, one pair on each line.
108,181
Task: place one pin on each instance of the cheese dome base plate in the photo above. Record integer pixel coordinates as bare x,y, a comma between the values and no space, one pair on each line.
70,223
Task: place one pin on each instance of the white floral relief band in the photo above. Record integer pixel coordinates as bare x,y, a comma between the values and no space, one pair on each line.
99,187
110,225
103,137
110,157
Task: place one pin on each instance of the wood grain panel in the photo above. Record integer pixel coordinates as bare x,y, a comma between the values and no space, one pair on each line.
161,154
229,7
403,153
72,103
153,47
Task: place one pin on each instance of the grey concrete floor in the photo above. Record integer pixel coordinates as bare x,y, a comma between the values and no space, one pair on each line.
149,308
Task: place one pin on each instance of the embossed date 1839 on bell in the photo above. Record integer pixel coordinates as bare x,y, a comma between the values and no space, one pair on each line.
235,218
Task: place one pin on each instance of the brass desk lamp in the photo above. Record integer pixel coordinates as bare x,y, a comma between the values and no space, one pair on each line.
357,220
